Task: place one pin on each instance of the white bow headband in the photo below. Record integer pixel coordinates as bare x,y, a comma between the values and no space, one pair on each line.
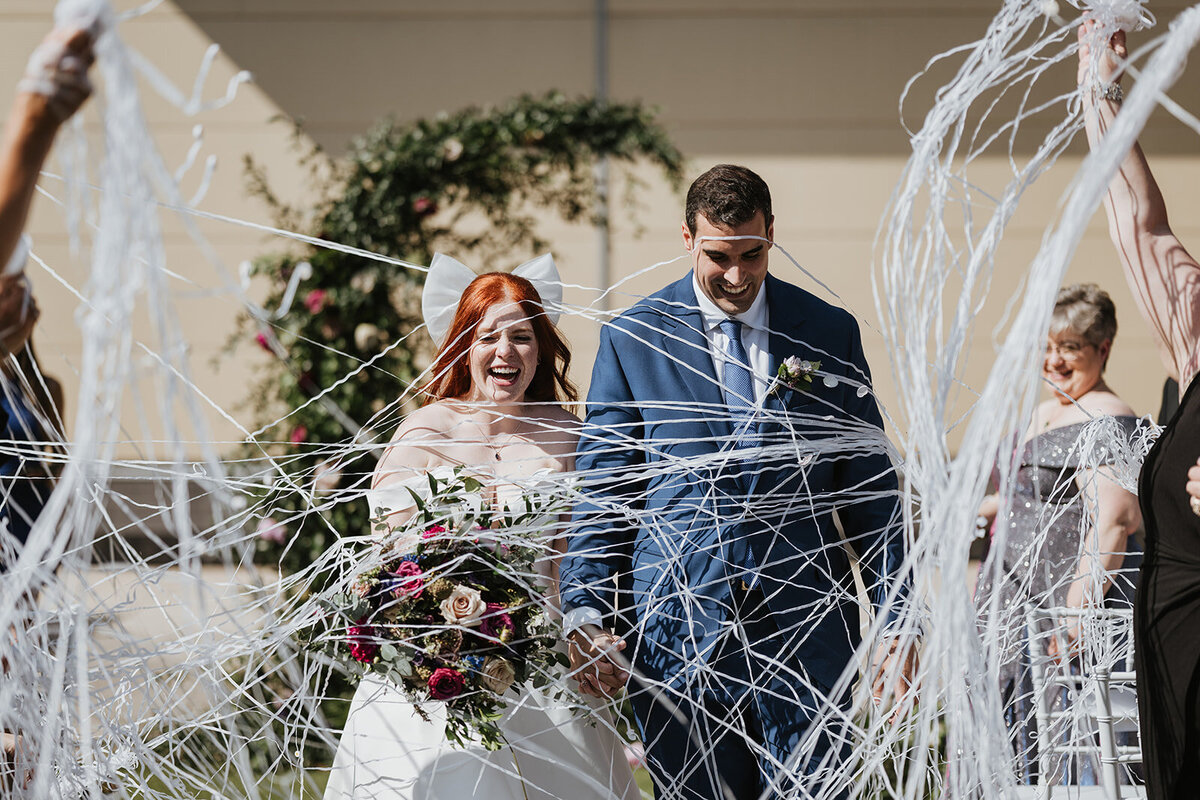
448,279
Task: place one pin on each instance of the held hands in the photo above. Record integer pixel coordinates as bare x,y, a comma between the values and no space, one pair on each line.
895,662
590,652
58,71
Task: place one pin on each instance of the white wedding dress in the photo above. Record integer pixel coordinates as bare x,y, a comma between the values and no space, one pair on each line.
388,752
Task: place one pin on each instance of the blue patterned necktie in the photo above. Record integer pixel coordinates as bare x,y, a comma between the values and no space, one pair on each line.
739,384
739,394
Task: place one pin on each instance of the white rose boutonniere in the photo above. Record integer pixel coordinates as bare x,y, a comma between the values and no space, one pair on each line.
795,373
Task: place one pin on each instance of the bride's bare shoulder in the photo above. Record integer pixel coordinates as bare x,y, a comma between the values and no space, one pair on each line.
437,417
417,443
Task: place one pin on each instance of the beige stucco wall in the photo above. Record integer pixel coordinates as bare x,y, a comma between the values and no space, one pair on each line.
805,92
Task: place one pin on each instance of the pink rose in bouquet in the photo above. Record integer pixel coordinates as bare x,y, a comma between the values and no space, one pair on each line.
411,581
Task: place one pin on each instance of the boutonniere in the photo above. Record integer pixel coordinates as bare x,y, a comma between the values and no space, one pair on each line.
795,373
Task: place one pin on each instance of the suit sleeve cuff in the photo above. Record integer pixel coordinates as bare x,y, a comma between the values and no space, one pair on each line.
576,618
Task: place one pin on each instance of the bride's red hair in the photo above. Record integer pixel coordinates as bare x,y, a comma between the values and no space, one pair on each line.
451,366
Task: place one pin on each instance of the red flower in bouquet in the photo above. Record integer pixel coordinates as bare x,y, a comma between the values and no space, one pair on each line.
446,683
496,623
299,434
411,582
314,301
432,531
362,647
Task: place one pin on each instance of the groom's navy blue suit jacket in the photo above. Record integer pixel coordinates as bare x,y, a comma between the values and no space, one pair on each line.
669,509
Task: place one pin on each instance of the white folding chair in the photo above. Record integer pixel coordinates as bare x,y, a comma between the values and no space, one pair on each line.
1106,679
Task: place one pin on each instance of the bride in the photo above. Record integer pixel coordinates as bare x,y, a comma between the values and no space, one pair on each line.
498,378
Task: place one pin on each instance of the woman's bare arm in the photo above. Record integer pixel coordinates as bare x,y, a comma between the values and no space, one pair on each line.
1163,275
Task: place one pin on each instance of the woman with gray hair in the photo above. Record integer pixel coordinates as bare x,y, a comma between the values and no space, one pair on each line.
1065,533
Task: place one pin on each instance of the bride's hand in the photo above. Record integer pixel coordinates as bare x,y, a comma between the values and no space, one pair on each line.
589,651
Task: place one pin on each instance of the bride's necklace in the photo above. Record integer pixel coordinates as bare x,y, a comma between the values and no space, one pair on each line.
498,446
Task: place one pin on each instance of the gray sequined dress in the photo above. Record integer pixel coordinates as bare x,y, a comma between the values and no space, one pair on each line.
1045,528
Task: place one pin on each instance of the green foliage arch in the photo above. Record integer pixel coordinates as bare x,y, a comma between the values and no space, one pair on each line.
348,349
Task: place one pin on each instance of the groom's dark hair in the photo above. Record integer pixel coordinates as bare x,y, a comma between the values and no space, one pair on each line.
727,195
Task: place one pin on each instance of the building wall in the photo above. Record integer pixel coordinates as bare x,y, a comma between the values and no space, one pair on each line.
804,92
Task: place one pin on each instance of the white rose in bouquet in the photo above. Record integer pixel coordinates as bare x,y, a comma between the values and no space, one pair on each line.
464,606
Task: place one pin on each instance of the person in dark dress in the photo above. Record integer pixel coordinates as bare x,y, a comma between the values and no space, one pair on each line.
1166,284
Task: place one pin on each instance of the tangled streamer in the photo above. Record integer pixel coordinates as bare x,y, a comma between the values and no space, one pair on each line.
188,672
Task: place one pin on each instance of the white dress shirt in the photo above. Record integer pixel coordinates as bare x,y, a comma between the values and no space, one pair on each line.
756,337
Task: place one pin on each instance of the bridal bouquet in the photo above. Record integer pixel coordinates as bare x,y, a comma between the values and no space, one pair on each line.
452,609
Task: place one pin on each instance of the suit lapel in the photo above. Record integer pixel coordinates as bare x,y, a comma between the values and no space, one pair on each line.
784,323
685,343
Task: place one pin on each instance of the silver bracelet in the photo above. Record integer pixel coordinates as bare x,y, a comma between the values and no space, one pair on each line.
1110,91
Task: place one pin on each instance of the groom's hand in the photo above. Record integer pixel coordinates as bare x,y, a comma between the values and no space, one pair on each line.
895,662
590,648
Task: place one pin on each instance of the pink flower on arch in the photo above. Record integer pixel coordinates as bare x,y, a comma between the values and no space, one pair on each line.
314,301
271,531
299,434
263,341
424,206
432,531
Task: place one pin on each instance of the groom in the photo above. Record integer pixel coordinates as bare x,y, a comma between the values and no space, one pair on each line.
707,531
